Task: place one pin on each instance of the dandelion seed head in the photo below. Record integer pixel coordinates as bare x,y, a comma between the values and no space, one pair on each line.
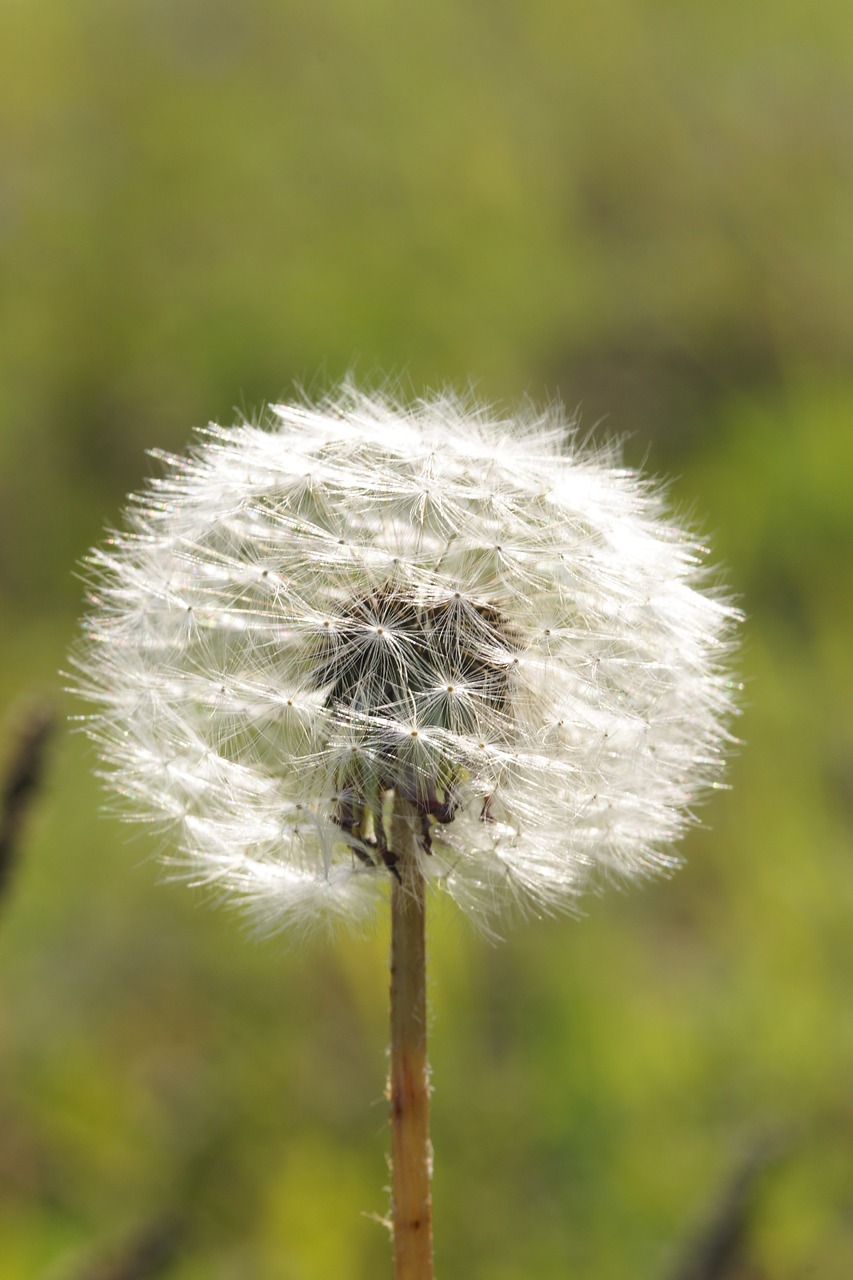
310,617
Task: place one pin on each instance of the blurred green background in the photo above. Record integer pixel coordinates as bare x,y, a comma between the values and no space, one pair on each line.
640,207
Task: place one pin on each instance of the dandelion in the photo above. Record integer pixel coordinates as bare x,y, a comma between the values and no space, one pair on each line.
360,648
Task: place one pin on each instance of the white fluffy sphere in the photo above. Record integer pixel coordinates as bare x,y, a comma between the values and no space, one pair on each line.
311,617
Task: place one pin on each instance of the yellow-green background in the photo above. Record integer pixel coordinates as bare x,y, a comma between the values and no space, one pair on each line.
641,207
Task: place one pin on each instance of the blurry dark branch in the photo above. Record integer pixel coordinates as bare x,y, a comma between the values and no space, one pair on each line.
22,779
717,1246
142,1256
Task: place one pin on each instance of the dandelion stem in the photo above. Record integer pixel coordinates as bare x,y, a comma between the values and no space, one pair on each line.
408,1089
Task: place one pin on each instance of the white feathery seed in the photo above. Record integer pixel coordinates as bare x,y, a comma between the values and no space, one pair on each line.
348,603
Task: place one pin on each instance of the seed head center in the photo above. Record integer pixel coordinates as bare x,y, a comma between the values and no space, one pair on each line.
379,689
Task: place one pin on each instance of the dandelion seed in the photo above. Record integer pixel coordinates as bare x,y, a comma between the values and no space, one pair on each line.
497,584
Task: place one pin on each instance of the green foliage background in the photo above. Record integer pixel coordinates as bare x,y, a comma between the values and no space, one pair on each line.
638,206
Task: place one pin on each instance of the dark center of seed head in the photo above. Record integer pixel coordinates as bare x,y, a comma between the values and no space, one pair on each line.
436,646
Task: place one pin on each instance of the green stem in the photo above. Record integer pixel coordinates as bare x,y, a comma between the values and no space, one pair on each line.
408,1085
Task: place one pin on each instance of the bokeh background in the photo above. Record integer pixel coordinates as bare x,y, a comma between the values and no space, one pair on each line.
640,207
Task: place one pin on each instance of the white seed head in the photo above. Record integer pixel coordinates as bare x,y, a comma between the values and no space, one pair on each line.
310,617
